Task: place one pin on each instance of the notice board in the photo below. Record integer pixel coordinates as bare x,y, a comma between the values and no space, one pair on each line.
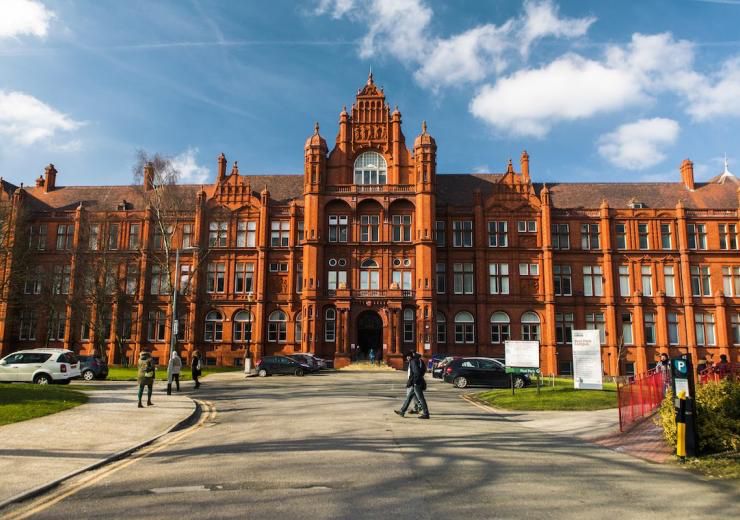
587,360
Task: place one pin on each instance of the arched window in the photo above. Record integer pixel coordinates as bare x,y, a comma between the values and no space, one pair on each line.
330,324
243,326
500,328
298,330
277,327
530,326
214,329
441,329
370,168
369,276
464,327
408,326
369,263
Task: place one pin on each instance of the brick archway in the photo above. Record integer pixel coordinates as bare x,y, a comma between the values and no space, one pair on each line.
369,334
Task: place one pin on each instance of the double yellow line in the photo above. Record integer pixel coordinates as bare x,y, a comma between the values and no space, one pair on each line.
46,501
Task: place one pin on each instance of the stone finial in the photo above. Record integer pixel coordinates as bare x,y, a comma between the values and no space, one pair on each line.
235,168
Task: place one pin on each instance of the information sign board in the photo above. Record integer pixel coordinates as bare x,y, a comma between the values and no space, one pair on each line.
522,356
587,360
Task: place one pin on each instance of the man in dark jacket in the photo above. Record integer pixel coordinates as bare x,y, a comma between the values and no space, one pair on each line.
416,382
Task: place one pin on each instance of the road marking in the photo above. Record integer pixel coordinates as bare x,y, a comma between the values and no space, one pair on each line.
44,502
179,489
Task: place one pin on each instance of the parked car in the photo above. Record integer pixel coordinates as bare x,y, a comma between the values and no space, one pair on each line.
93,367
42,366
438,367
434,361
481,371
311,361
270,365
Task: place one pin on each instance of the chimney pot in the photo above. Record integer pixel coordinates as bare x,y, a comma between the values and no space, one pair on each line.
50,178
687,174
149,176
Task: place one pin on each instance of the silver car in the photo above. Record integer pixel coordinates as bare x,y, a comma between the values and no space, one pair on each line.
42,366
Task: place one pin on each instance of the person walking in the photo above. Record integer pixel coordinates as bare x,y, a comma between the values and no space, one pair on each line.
173,371
371,356
417,384
196,368
145,377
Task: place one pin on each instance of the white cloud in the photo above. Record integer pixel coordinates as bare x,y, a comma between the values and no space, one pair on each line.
716,96
397,27
639,145
25,120
190,171
541,20
24,17
337,8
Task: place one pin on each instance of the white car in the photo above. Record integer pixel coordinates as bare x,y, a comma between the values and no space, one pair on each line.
42,366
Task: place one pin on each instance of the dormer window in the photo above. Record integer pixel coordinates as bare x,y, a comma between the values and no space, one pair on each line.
371,168
636,204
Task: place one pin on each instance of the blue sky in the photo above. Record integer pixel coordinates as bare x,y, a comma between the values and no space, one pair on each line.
595,91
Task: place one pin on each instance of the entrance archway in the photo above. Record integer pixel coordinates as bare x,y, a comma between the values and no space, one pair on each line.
369,335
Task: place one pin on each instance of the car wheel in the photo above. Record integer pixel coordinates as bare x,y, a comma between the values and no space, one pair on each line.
262,372
299,372
460,382
519,383
42,379
88,375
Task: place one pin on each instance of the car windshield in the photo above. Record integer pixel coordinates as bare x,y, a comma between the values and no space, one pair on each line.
67,357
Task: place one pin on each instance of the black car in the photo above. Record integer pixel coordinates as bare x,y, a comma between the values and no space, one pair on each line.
307,360
270,365
92,367
481,371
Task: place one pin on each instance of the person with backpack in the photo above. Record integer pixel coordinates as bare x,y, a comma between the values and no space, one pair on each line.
196,368
417,384
145,376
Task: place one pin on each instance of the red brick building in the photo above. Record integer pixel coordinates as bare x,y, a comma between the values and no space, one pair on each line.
371,248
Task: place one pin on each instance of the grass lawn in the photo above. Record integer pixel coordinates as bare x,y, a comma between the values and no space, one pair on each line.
20,402
716,466
129,374
562,396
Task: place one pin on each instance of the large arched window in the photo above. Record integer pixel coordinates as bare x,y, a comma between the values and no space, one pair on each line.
243,326
369,275
277,327
408,326
441,329
500,328
464,327
214,328
370,168
530,326
330,324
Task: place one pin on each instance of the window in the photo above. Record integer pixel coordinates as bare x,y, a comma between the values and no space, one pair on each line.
593,283
215,283
184,287
369,225
560,236
156,325
402,279
126,324
728,236
337,280
93,239
595,321
338,228
187,236
244,278
61,279
369,276
500,327
134,233
280,233
624,281
590,238
463,278
65,236
299,277
441,329
298,329
113,230
562,280
132,279
330,325
401,227
276,327
370,168
278,267
408,326
643,235
673,328
529,269
32,284
497,233
627,328
665,236
526,226
530,326
246,232
697,236
214,327
242,327
163,236
441,278
439,233
160,284
27,325
650,337
704,328
669,278
217,233
464,328
700,281
498,278
564,328
38,240
731,280
182,327
735,325
646,272
57,325
462,233
621,229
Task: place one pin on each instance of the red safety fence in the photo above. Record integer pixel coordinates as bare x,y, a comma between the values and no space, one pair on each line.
639,396
719,372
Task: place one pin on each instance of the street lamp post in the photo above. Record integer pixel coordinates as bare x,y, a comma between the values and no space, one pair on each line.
248,348
175,325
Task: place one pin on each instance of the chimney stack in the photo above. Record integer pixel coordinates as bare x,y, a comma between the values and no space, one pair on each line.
149,176
687,174
50,178
40,181
221,167
525,166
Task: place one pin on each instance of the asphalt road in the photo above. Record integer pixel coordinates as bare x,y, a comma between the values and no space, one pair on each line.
330,446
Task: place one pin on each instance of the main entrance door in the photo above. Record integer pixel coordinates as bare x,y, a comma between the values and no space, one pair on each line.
369,335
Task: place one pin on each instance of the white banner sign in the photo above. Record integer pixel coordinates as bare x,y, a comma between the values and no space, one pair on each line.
522,354
586,360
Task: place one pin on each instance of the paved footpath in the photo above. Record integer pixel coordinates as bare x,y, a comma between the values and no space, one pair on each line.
38,451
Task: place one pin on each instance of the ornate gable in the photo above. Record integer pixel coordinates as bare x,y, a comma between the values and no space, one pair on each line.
371,119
